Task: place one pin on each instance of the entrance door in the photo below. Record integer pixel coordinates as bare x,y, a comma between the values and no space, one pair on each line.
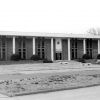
22,48
58,56
74,48
41,48
58,49
3,49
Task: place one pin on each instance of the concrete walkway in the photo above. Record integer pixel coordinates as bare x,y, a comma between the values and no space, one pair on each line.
90,93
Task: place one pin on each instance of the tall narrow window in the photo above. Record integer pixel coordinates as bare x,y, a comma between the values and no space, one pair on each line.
41,47
74,48
3,48
22,48
89,47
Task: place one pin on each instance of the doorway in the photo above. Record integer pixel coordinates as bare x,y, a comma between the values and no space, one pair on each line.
59,56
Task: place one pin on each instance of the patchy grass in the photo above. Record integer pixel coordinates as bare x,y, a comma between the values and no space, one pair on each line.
20,84
19,62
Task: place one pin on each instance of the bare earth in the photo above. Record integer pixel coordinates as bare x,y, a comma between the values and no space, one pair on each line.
34,78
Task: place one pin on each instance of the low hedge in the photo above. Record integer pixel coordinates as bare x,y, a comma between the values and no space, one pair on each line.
15,57
47,61
98,56
81,60
86,56
35,58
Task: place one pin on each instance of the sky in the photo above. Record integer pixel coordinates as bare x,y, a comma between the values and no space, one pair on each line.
59,16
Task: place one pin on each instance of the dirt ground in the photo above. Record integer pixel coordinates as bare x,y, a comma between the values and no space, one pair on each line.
33,78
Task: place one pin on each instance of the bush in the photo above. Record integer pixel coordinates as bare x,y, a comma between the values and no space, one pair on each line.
86,56
47,61
98,56
15,57
35,57
81,60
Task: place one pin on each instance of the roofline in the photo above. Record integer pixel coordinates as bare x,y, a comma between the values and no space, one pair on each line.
45,34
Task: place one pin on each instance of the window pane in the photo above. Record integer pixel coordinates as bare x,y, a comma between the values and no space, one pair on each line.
24,55
24,44
3,50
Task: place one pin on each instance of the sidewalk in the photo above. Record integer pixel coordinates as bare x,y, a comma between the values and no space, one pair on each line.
90,93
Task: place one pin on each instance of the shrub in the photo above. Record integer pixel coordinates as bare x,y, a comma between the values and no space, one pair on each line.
35,57
81,60
47,61
86,56
15,57
98,56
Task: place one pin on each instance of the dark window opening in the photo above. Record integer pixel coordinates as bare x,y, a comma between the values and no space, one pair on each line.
22,48
89,47
74,49
41,47
3,47
58,56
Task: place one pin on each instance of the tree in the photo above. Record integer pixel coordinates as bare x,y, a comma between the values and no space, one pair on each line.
92,31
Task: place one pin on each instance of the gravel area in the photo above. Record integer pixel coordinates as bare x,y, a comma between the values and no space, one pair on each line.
22,84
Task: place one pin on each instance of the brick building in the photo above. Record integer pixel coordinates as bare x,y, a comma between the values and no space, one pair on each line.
52,46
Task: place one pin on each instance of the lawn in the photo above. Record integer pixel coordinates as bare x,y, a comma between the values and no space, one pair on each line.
22,84
19,62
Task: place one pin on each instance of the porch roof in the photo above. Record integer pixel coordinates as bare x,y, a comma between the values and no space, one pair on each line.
44,34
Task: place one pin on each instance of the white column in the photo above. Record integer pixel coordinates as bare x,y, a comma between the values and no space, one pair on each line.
84,46
69,58
98,46
33,45
13,44
52,53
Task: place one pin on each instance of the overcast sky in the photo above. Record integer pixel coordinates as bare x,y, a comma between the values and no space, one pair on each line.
49,15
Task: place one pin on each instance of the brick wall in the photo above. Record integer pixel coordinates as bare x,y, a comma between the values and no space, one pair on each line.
64,49
79,48
47,45
29,48
9,48
95,48
48,49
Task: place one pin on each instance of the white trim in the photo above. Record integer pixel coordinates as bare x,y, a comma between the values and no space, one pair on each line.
33,45
84,46
52,35
69,58
98,46
13,44
52,53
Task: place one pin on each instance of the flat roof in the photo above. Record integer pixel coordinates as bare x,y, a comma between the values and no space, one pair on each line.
44,34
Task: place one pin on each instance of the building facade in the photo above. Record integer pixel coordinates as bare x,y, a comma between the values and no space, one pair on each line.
52,46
